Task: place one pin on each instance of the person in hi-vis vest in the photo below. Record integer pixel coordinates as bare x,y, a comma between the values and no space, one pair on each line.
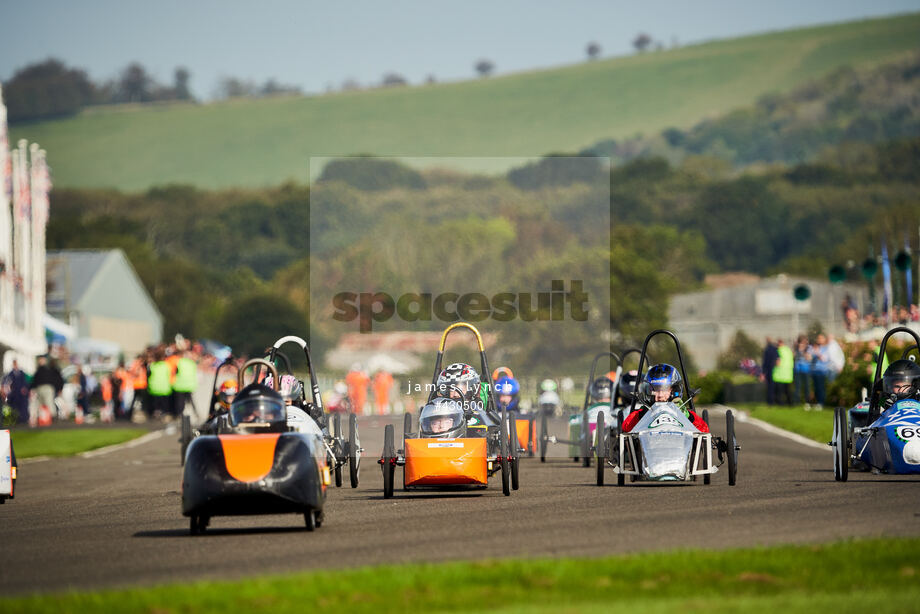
185,382
159,387
783,372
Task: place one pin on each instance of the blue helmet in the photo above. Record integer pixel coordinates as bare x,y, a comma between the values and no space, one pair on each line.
660,377
509,386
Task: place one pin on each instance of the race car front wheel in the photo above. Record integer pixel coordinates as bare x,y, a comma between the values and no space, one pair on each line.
732,448
585,440
504,451
600,447
841,445
389,469
544,436
339,457
514,450
354,454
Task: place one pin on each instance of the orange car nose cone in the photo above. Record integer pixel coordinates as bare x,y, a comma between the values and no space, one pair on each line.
249,458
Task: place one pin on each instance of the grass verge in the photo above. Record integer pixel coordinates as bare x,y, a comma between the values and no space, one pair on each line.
784,578
814,424
66,442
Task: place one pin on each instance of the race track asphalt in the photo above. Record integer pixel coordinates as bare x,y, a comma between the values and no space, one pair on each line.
114,519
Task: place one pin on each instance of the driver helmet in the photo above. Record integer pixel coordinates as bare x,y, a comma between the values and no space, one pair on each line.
901,380
601,390
291,389
509,392
442,418
627,385
258,405
460,382
226,393
661,383
548,385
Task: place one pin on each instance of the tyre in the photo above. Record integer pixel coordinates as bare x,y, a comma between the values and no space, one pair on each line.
531,444
600,447
186,437
514,452
504,452
354,455
310,520
585,440
389,468
841,445
732,448
198,524
339,456
407,427
544,434
621,478
708,477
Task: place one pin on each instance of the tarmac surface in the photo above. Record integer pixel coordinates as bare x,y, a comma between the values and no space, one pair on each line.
114,519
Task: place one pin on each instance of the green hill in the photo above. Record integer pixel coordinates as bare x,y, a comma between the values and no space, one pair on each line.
264,142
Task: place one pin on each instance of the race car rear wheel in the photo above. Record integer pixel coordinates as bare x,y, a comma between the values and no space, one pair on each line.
707,478
407,427
841,445
504,451
600,448
514,451
531,423
732,448
621,477
354,455
198,524
544,435
585,440
310,520
337,427
389,469
185,437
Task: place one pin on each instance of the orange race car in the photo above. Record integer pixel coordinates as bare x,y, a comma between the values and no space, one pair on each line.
462,439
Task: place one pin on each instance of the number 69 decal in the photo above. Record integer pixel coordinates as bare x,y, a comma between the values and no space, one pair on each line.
907,432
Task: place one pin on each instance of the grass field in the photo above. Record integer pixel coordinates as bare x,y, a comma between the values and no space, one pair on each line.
66,442
814,424
821,578
265,142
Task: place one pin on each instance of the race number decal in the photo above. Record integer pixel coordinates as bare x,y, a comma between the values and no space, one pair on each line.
906,433
446,444
664,419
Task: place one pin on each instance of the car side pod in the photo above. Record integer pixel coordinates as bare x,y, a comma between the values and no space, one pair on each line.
7,467
446,461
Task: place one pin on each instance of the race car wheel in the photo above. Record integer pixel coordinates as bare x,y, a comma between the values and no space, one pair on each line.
198,524
600,447
309,518
585,440
354,456
320,517
514,451
186,437
531,444
841,445
337,426
544,436
407,427
389,469
707,478
732,448
504,452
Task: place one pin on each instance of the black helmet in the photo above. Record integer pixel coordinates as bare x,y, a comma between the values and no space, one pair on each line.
258,406
660,377
901,380
626,385
601,389
442,418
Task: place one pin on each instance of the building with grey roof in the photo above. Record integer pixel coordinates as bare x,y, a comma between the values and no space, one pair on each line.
99,294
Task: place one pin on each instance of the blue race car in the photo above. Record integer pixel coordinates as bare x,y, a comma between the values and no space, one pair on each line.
889,439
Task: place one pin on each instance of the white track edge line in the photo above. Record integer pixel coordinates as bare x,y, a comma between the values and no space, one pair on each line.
766,426
101,451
